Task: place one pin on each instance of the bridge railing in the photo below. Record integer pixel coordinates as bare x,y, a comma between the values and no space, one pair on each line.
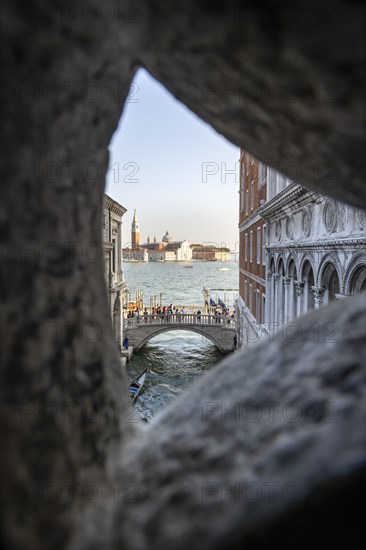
180,319
205,310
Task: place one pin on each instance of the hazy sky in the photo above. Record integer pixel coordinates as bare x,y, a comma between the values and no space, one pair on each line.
178,163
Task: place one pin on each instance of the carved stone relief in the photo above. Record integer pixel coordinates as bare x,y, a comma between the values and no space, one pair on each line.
361,218
306,220
330,215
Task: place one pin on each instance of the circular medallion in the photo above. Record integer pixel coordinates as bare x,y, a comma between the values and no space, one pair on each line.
330,215
278,230
306,222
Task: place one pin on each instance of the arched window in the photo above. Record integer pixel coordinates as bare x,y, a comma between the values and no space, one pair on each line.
330,282
358,280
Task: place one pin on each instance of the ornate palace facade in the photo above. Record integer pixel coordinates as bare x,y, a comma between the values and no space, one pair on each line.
313,250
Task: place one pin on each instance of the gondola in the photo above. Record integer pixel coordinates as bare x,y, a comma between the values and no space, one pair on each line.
136,386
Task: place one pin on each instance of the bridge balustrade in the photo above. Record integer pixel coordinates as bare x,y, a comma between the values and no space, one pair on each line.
180,319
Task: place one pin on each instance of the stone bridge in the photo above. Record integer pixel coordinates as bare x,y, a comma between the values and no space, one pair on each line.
220,330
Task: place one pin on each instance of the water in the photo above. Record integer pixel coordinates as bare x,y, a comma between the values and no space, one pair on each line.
175,359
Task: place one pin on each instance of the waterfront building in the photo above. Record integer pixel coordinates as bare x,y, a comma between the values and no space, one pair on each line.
112,248
210,253
312,251
139,255
181,249
165,250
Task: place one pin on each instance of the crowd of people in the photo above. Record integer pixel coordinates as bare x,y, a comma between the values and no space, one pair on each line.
169,313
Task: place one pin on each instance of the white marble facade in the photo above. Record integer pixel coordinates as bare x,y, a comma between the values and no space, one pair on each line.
184,252
315,251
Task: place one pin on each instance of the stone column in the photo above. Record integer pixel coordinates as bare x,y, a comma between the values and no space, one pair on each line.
299,297
119,253
286,284
275,299
120,321
318,292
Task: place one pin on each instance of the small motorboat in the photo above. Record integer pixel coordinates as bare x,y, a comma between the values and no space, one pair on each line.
136,386
188,266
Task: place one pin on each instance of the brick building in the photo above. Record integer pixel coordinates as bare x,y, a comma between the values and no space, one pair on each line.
252,237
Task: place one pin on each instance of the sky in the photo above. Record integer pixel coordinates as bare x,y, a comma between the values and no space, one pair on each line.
179,173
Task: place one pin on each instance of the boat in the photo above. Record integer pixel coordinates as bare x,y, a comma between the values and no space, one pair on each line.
136,386
188,266
224,269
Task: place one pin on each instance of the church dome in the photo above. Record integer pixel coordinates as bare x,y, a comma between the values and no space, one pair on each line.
167,238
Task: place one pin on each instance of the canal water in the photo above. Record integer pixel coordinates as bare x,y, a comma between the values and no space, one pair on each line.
176,358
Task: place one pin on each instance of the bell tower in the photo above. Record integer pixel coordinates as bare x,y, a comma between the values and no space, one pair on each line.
135,233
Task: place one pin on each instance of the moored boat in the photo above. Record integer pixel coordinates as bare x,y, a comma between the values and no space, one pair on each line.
136,386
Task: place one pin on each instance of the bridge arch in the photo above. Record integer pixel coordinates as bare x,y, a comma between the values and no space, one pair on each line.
223,339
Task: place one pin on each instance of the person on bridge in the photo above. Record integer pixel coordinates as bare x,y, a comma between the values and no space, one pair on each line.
199,313
146,315
217,315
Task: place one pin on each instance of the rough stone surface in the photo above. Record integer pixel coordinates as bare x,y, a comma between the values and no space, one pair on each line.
273,77
58,355
263,440
67,68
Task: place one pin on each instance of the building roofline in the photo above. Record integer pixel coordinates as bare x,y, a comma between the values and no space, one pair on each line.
289,195
113,205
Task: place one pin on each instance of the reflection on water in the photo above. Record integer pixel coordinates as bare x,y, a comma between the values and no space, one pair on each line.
173,360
